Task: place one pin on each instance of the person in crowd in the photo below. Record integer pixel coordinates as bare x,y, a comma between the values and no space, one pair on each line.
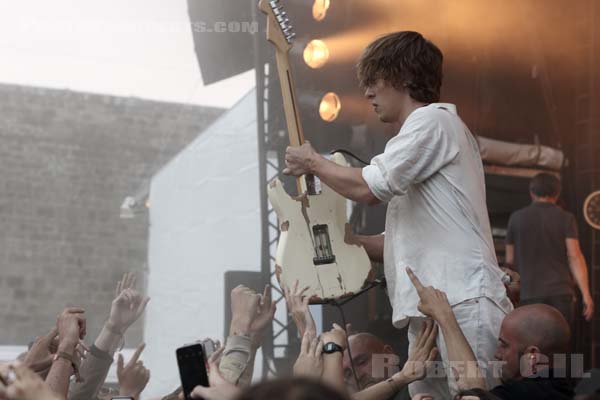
251,315
126,308
133,376
542,243
532,341
431,175
19,382
364,347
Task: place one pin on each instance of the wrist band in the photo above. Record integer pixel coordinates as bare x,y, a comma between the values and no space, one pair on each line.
111,328
393,384
71,359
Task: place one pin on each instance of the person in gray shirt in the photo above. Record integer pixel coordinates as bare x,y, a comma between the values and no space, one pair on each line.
543,245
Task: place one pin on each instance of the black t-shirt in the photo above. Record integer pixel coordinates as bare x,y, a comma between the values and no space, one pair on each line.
536,388
538,233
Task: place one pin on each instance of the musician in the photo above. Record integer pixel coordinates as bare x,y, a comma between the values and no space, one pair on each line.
431,177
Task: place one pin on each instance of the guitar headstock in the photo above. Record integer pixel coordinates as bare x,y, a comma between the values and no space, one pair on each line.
279,29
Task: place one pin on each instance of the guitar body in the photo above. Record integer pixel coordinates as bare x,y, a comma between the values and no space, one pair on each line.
301,222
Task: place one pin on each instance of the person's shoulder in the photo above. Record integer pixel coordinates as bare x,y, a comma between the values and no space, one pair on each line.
535,388
520,212
431,117
436,111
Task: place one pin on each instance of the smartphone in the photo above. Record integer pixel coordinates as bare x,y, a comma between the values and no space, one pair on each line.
191,361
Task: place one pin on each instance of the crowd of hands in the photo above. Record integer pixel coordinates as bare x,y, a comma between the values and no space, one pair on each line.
51,364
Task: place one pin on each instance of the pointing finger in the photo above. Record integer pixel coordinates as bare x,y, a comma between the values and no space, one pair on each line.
415,281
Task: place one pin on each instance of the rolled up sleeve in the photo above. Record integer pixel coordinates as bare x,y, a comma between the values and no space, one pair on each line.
377,183
420,149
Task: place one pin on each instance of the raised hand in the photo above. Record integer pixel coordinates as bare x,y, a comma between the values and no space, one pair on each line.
310,359
297,305
39,357
588,307
336,335
127,306
264,312
423,352
71,327
219,389
250,312
21,383
300,160
433,302
133,376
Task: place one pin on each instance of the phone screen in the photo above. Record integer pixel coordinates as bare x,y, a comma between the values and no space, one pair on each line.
192,368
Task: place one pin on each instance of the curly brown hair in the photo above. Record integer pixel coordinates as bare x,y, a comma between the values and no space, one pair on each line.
405,60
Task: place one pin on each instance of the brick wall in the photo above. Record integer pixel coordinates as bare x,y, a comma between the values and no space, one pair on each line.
67,161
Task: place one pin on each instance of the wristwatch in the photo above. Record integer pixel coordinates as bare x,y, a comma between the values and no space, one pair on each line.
332,347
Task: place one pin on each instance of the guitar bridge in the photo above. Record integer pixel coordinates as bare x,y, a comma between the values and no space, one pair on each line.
323,251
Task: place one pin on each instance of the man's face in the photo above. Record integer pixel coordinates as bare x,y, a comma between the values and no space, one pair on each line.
508,352
386,100
362,354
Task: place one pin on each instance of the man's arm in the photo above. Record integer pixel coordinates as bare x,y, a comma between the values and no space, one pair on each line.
71,328
414,369
346,181
126,308
297,304
333,371
251,314
434,304
509,255
373,245
579,270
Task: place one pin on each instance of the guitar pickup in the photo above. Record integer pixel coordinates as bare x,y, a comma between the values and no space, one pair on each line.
322,243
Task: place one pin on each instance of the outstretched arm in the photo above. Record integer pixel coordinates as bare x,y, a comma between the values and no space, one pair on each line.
126,308
251,315
434,304
579,270
296,301
71,329
414,369
346,181
373,245
333,371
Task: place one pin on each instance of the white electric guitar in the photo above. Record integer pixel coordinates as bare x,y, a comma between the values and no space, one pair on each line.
316,245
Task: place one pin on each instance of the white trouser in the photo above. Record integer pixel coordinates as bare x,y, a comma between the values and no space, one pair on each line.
480,321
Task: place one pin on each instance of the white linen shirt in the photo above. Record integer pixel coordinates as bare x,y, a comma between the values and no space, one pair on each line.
431,175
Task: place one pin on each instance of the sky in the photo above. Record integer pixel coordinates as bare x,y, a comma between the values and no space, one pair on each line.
140,48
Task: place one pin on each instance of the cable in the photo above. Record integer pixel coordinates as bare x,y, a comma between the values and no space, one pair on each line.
339,306
349,153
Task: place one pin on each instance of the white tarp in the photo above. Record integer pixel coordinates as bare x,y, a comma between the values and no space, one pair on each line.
204,220
520,155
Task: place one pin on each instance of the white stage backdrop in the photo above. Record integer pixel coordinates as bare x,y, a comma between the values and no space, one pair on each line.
204,220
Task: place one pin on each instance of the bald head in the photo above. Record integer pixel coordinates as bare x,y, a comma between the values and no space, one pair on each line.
363,346
367,342
540,325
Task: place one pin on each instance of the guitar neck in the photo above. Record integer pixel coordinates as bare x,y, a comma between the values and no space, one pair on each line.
290,107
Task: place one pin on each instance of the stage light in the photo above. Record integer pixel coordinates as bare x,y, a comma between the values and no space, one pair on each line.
316,54
320,8
330,107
